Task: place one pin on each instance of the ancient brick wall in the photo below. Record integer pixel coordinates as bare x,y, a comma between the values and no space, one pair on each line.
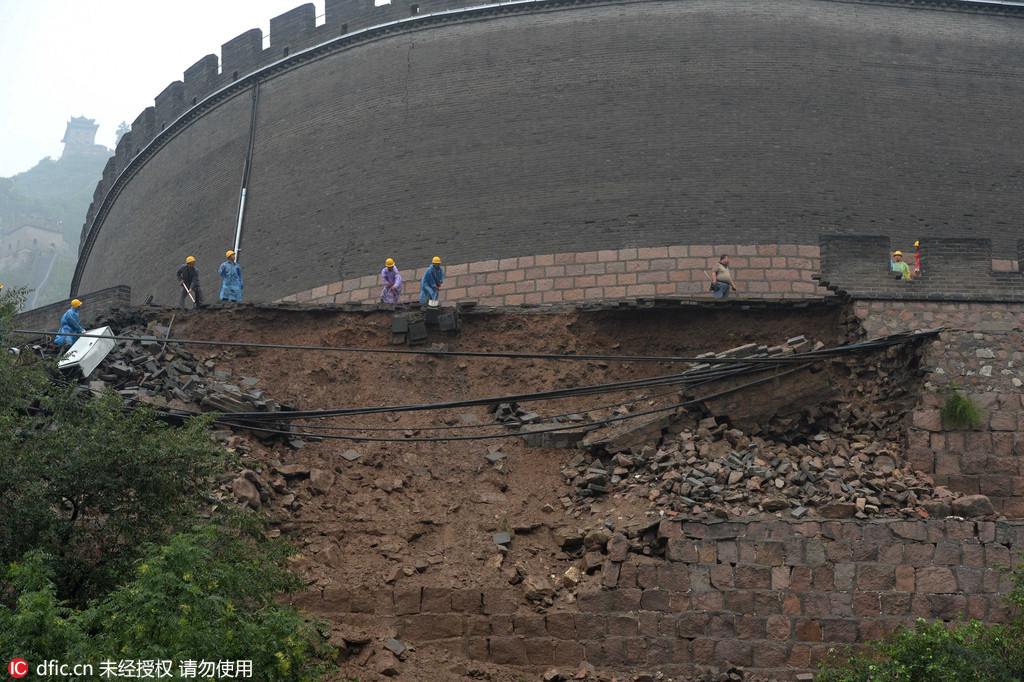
952,269
981,352
94,306
548,129
772,596
760,271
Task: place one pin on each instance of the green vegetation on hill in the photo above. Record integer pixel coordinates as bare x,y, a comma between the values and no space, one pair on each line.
55,195
103,552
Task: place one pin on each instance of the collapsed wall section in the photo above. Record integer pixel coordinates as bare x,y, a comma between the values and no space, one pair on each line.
981,354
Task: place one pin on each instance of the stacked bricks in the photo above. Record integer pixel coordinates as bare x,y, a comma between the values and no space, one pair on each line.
760,271
981,352
771,596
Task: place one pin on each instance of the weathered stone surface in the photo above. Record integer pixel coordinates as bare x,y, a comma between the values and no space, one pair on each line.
246,492
972,506
321,480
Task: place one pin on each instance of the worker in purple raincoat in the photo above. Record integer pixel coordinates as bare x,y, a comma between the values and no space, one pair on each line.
391,279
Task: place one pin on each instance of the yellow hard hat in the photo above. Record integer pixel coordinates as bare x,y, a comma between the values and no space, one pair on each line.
917,243
190,259
897,253
229,253
390,263
436,260
76,303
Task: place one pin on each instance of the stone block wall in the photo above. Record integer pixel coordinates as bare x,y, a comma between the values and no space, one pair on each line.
760,271
952,269
94,306
980,351
771,596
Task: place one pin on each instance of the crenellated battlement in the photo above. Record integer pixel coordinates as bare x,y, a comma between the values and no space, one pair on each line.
953,269
290,33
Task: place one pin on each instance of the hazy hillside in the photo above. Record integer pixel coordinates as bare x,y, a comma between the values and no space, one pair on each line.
41,216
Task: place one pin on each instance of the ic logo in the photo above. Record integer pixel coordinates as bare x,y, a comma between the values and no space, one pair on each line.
18,668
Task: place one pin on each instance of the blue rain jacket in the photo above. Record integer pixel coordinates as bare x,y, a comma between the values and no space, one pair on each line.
432,280
69,325
231,281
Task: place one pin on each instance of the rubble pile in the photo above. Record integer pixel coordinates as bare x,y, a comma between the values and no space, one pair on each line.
170,377
719,471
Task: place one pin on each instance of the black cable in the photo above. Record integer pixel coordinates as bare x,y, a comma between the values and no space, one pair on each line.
457,427
740,367
518,434
476,402
485,354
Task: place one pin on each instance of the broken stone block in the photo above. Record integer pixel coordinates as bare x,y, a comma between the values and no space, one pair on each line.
618,547
537,587
321,480
293,470
972,506
246,492
395,646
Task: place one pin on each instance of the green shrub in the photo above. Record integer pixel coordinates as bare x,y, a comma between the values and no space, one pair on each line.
938,652
207,594
934,652
960,412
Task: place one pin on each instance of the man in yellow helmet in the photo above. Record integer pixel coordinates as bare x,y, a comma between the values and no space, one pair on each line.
231,278
391,278
899,266
430,285
70,325
188,282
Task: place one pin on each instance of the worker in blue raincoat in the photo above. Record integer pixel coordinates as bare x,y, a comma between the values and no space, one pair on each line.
431,283
231,279
70,325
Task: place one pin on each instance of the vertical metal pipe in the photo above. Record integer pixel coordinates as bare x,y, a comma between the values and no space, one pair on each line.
246,170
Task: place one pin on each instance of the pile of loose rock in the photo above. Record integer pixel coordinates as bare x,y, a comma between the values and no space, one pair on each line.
720,471
170,377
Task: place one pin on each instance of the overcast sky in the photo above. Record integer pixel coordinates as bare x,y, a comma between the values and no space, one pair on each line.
103,59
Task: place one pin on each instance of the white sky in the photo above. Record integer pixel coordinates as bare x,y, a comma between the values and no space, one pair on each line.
103,59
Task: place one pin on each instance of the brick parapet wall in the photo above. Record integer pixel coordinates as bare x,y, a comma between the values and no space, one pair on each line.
95,305
981,352
760,271
773,596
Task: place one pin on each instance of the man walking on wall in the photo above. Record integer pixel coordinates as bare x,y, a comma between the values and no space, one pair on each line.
230,278
188,283
431,283
721,278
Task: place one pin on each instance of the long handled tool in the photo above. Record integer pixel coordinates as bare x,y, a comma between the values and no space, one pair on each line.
189,292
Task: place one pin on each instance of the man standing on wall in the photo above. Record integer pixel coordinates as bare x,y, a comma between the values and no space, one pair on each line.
900,268
391,279
431,283
230,278
188,281
721,278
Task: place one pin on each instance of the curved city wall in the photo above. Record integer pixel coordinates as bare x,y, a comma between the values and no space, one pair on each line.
551,127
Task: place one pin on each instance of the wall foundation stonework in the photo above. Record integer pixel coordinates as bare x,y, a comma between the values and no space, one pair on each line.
774,597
